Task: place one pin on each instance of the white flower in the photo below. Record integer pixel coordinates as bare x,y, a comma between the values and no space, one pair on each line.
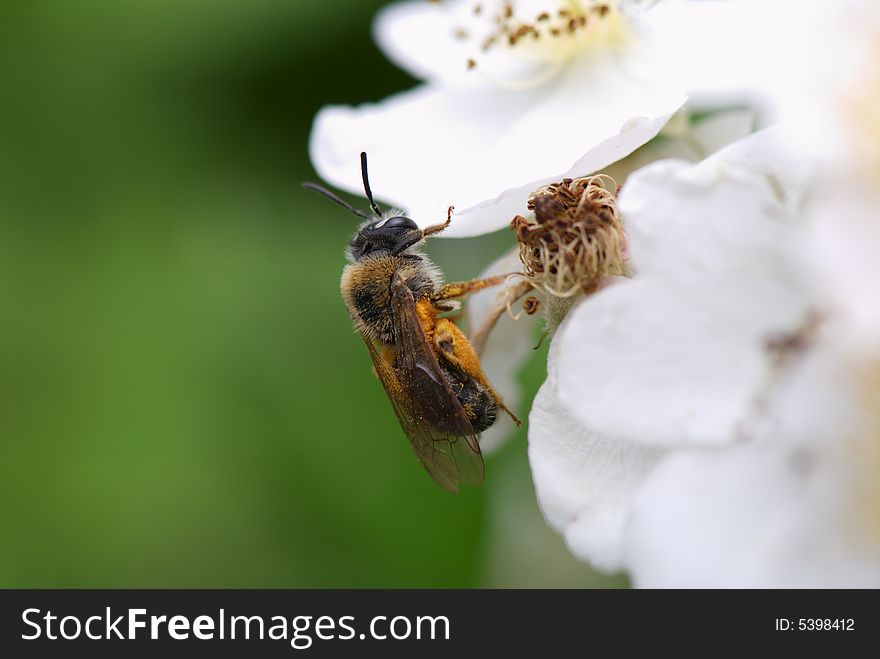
678,355
746,352
584,481
796,502
531,111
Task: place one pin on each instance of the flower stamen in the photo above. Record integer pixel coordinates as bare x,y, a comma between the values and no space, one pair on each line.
549,38
575,238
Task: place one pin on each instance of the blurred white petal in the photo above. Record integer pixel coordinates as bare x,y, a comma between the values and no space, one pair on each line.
687,139
726,51
844,251
750,518
419,37
722,128
788,510
832,51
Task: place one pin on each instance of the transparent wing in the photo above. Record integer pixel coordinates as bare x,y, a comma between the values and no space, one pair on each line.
429,413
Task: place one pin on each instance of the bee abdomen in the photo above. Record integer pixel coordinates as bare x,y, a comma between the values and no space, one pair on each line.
475,398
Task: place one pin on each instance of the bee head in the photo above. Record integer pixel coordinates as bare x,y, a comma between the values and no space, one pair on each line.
389,231
392,234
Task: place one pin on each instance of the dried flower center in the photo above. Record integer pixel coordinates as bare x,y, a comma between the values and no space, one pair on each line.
547,33
575,238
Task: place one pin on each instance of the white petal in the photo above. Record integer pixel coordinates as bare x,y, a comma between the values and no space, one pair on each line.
485,150
679,355
829,52
496,213
508,347
684,220
747,517
691,141
769,155
796,506
726,51
844,244
715,47
723,128
434,41
420,38
584,481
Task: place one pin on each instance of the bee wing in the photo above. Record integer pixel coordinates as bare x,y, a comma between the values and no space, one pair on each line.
429,413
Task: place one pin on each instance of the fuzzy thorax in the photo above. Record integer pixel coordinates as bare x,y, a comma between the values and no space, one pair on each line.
575,238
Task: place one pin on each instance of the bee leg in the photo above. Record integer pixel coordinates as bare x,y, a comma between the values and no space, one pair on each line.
447,305
454,348
500,304
452,309
461,288
417,236
437,228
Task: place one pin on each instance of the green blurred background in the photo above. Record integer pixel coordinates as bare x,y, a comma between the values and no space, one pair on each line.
182,399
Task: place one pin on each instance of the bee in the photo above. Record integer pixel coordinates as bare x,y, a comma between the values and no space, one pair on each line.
429,370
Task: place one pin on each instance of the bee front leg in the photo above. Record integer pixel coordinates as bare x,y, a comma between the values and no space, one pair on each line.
461,288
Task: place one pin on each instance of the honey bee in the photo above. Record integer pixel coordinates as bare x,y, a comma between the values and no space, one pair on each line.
429,369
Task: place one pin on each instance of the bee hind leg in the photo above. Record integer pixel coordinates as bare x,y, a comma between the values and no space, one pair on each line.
456,351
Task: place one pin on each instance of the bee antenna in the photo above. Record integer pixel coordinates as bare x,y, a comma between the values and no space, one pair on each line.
314,187
369,192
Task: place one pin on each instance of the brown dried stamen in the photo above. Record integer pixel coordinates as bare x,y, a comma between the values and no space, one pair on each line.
531,305
575,238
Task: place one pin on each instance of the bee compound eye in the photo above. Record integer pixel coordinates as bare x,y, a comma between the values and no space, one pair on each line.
399,222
